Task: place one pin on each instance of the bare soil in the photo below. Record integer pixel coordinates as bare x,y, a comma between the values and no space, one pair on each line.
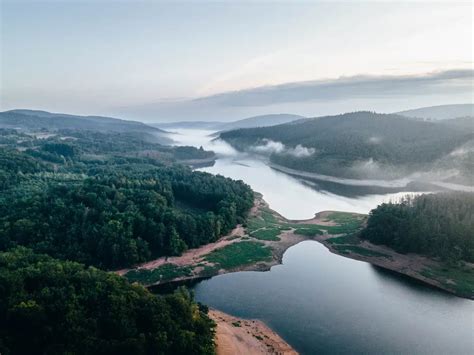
237,336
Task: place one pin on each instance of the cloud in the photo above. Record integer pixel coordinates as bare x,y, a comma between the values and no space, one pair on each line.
375,140
270,147
300,151
348,87
317,97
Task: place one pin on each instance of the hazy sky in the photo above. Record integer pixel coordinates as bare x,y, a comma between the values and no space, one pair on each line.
109,57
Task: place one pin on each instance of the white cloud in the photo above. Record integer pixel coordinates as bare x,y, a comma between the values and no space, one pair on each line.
270,147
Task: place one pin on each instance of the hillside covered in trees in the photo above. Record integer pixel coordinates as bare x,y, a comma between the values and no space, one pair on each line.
359,145
439,225
35,119
91,201
48,306
72,200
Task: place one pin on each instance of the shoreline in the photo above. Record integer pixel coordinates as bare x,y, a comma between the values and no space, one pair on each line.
395,184
267,230
238,336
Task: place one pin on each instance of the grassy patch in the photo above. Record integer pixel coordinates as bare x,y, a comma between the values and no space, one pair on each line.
346,249
459,279
266,219
345,217
209,270
346,239
164,272
309,232
238,254
266,234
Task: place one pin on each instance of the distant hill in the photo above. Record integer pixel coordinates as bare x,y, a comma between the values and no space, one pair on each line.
251,122
441,112
353,145
260,121
188,125
37,120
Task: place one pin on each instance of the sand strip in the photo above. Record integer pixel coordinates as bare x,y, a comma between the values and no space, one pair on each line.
237,336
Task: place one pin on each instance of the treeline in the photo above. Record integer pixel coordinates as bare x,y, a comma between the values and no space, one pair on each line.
338,143
63,145
117,219
48,306
439,225
116,213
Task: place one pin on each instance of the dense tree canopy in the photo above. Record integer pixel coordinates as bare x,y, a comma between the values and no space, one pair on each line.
112,211
49,306
110,200
440,225
335,145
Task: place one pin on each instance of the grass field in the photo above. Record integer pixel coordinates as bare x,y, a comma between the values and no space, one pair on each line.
458,278
239,254
271,233
346,249
309,231
345,239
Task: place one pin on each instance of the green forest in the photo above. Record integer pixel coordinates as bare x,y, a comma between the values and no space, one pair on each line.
49,306
337,145
438,225
74,201
114,210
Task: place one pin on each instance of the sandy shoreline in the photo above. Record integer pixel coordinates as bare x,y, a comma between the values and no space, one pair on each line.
237,336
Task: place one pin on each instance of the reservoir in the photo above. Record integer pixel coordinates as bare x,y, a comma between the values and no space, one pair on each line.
322,303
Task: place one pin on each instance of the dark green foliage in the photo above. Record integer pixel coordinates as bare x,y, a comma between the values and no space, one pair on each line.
117,219
309,232
440,225
49,306
113,211
65,150
341,141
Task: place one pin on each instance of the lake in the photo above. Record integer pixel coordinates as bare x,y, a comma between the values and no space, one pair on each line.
291,197
320,302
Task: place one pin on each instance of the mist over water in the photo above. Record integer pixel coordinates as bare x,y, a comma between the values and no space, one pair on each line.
291,197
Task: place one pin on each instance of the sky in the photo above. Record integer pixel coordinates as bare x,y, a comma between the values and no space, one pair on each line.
197,60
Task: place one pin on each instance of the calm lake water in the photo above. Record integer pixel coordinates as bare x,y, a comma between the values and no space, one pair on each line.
289,196
324,303
320,303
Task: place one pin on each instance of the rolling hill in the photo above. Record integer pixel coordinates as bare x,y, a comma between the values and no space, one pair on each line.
355,145
34,120
251,122
440,112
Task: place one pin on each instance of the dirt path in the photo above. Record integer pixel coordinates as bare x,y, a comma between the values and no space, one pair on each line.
237,336
191,256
